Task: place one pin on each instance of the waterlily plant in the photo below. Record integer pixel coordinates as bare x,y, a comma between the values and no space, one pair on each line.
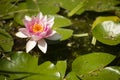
37,29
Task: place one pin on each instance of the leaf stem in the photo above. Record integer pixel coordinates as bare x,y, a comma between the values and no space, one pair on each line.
80,35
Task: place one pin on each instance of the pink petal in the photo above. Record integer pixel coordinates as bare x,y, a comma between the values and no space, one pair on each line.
21,35
24,31
54,37
30,45
27,23
42,45
50,33
36,38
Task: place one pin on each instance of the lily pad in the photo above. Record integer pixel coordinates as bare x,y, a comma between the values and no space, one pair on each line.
71,76
61,21
101,5
108,73
106,18
25,66
91,62
65,33
61,67
107,32
78,6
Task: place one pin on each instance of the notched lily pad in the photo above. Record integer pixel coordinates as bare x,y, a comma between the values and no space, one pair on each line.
107,73
25,66
107,32
91,62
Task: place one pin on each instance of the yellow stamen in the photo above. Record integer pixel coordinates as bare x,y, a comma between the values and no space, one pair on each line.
37,28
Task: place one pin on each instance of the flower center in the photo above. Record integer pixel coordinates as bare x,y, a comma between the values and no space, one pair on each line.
37,28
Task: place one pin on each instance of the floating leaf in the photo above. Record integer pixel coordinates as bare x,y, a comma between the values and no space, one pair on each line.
71,76
65,33
6,41
78,6
61,21
72,6
33,7
24,66
108,73
61,67
107,32
102,19
90,62
45,6
101,5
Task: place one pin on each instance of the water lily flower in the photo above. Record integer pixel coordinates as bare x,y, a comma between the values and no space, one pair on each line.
37,29
112,28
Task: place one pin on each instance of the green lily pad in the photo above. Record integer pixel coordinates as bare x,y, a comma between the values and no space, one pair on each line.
47,7
101,5
25,66
107,18
79,6
91,62
107,32
71,76
61,21
65,33
108,73
61,67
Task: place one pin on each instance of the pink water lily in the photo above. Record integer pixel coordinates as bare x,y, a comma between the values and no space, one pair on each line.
37,29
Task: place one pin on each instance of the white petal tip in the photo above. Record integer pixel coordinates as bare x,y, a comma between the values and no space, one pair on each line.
44,51
42,45
21,35
30,45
